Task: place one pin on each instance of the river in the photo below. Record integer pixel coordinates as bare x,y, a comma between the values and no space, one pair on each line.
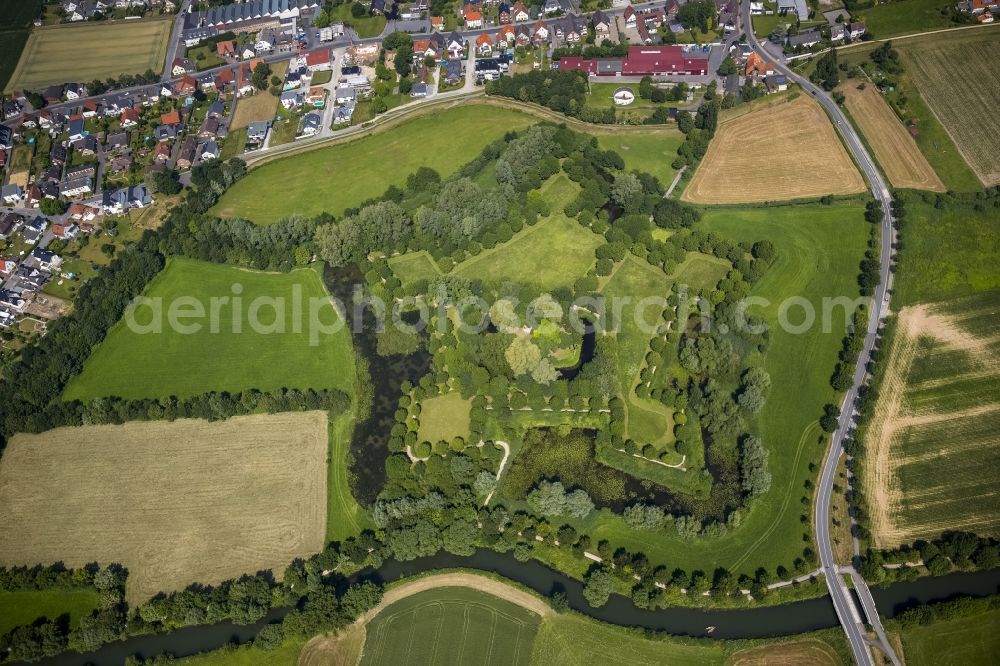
792,618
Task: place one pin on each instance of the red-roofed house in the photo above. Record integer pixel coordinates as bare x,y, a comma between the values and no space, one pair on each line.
484,45
318,60
641,61
520,13
226,48
161,153
187,86
83,213
437,22
223,79
424,48
65,231
540,33
506,36
7,265
129,118
172,118
473,17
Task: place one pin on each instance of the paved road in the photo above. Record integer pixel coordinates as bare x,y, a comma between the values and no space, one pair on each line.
847,612
175,41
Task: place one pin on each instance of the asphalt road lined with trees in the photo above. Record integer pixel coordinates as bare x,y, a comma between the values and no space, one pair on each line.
843,602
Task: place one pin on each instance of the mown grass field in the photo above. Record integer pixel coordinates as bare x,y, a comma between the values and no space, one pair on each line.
790,151
932,460
553,252
894,148
137,365
174,502
947,253
444,417
818,252
91,51
956,76
332,179
964,641
451,625
24,607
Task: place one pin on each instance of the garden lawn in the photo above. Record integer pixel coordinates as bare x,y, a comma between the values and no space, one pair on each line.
414,266
554,252
134,365
365,26
338,177
444,417
259,106
651,152
963,641
819,248
24,607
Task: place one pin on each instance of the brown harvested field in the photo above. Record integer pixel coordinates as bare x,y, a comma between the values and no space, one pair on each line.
894,148
957,76
789,151
932,454
176,503
795,653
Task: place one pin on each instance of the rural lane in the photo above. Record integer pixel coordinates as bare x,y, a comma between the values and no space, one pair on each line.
847,612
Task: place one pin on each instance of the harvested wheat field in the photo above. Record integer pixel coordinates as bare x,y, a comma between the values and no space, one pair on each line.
175,503
957,76
894,148
789,151
933,445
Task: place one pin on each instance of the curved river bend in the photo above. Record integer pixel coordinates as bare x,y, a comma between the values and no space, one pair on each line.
792,618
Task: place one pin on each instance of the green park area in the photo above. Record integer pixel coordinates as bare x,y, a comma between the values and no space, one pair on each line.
818,249
443,418
265,344
331,179
553,252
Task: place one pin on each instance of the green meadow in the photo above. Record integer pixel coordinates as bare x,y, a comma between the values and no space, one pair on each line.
341,176
183,362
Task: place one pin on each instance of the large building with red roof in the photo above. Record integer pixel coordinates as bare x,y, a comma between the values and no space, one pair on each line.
643,61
